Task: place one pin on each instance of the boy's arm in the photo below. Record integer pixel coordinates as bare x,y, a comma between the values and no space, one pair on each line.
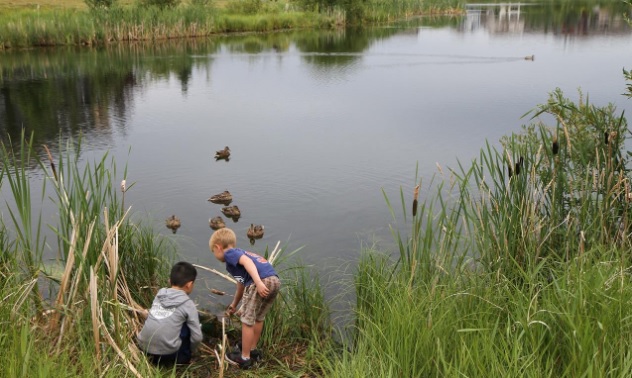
239,292
193,321
251,268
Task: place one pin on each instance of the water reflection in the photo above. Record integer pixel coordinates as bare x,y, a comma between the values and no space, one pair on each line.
72,91
582,18
51,92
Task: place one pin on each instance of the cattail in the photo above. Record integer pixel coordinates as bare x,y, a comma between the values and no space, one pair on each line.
519,165
415,196
123,186
510,171
556,146
52,163
605,137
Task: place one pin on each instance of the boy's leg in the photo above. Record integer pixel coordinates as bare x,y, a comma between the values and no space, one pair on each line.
184,353
257,329
254,308
247,339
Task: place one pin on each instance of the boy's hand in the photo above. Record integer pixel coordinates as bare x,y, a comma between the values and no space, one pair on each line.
263,290
230,309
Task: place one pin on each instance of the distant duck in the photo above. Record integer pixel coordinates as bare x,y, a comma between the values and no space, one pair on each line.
173,223
232,212
216,223
222,154
529,57
223,198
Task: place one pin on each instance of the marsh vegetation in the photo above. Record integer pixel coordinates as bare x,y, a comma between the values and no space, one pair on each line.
516,264
110,21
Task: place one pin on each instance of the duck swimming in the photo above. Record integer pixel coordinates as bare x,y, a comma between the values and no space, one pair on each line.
232,212
254,232
223,198
222,154
216,223
173,223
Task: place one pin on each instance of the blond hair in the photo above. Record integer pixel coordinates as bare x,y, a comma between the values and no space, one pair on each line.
224,237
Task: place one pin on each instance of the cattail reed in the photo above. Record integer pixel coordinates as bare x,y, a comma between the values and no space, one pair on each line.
52,163
556,146
415,197
517,167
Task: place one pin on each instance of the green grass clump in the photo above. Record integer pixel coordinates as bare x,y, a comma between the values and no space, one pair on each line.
80,314
518,267
485,325
71,26
79,311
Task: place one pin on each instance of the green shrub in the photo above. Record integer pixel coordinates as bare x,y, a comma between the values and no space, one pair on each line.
160,3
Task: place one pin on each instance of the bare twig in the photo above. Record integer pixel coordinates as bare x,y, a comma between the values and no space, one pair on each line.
225,276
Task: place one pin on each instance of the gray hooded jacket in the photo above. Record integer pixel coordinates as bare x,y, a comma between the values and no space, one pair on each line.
161,333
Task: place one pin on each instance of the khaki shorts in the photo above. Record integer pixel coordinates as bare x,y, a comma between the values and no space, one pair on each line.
253,306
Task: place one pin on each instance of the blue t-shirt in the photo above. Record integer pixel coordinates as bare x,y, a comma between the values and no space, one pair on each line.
232,256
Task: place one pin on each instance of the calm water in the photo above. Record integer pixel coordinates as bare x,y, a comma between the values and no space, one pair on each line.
319,123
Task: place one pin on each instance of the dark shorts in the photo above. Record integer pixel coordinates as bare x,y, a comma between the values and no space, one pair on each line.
253,306
182,356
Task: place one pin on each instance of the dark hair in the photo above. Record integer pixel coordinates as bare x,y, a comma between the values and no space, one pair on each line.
182,273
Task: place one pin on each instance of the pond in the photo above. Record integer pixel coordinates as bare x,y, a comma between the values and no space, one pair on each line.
319,123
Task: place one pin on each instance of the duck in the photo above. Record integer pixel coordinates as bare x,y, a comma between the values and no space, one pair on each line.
255,232
223,198
173,223
222,154
216,223
231,212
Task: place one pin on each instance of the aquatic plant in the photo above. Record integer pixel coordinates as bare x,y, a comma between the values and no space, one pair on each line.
506,276
90,296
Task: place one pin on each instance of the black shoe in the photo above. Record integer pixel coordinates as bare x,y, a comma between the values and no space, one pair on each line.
256,355
236,358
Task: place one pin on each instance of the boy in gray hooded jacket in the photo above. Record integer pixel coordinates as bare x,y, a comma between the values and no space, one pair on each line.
172,327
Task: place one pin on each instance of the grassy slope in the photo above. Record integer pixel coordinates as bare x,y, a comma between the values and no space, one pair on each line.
68,4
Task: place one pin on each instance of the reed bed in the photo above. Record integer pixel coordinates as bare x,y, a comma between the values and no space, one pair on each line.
88,313
377,11
82,318
516,265
63,27
29,27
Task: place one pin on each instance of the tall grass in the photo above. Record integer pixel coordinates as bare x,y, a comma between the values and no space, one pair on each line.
387,11
56,27
111,267
87,321
507,274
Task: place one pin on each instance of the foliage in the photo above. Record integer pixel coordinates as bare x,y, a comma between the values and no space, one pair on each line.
100,4
628,77
519,268
89,311
160,3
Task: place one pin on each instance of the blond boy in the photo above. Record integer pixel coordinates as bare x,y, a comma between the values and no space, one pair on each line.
257,284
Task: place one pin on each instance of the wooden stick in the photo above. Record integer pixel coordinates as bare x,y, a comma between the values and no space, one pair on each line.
227,277
274,253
